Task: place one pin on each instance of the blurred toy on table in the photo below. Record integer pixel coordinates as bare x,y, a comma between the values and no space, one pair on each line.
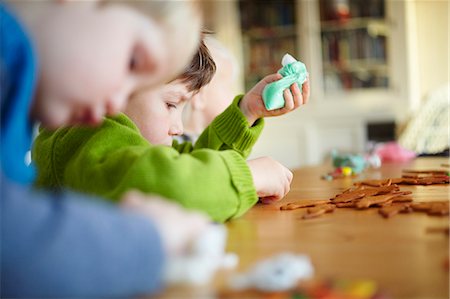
393,152
279,273
346,165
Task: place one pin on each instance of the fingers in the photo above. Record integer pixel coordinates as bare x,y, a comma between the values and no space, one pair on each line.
306,91
294,98
289,175
282,190
287,186
286,183
297,95
281,193
195,223
177,227
289,103
272,78
273,185
132,199
269,199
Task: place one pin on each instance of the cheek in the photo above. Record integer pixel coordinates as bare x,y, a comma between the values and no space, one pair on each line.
95,78
103,82
153,125
89,86
156,131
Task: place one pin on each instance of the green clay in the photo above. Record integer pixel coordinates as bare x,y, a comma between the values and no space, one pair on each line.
273,92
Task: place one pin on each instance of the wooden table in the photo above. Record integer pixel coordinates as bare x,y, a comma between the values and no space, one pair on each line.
397,253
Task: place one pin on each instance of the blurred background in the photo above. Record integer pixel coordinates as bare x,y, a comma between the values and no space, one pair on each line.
373,65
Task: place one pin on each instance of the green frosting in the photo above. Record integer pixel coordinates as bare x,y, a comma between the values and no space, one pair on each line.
273,92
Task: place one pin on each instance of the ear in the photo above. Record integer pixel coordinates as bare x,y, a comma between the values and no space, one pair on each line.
198,101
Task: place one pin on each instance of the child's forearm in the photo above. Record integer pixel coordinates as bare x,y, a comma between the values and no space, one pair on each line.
231,130
251,118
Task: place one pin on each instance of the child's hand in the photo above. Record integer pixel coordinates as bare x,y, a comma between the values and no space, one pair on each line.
252,105
272,180
178,227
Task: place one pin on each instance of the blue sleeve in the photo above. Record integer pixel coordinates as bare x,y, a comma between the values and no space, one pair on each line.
62,245
18,76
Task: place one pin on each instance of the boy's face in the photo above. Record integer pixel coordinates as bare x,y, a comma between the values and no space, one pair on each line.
92,58
158,113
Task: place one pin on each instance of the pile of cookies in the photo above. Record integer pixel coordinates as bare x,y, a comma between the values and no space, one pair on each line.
382,194
413,177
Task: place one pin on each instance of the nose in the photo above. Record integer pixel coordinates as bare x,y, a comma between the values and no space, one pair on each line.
176,129
115,105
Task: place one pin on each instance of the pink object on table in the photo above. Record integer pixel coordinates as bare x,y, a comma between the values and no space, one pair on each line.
393,152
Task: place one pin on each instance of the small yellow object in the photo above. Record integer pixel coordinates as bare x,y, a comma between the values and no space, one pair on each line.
347,171
362,289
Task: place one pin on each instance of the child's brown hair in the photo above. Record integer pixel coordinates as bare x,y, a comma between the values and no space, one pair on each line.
201,69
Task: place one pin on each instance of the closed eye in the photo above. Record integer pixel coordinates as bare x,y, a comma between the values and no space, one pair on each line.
139,61
171,105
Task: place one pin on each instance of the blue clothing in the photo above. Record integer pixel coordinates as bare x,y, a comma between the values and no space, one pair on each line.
60,245
17,78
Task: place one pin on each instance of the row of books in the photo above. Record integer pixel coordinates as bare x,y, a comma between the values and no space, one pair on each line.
341,46
353,80
344,9
263,14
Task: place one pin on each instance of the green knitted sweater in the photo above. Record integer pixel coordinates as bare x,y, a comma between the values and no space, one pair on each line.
212,176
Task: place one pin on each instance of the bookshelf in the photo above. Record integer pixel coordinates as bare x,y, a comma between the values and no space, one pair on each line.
354,44
353,40
359,55
268,32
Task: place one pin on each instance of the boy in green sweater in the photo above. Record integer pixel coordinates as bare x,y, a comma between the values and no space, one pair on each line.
135,150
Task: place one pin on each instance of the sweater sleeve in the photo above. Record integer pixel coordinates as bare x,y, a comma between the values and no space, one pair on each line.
112,159
62,245
230,130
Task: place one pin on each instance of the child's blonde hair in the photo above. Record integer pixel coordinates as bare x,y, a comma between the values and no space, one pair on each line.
174,17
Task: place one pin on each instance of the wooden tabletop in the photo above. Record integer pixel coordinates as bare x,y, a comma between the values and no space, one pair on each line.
399,254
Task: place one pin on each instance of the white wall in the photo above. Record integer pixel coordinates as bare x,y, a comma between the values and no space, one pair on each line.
223,18
432,21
